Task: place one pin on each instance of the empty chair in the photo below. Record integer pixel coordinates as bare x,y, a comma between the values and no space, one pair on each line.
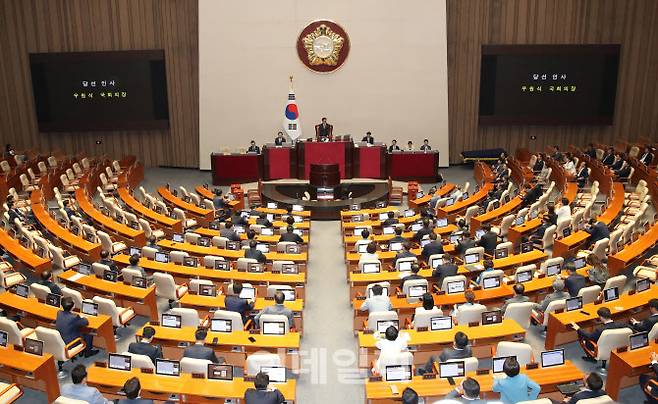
368,263
378,317
590,293
99,269
471,212
278,318
149,252
548,239
605,399
192,238
561,225
476,250
399,263
9,278
653,333
113,247
551,262
52,162
189,317
258,360
26,184
121,316
414,284
180,215
496,273
15,335
39,291
522,351
60,261
506,246
233,317
66,185
618,281
210,260
470,314
178,257
107,185
600,248
424,317
138,361
9,393
392,359
219,242
54,344
244,263
551,308
166,287
149,231
282,245
196,366
519,312
455,278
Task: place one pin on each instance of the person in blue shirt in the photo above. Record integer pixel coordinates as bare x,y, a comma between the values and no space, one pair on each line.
515,387
488,266
78,389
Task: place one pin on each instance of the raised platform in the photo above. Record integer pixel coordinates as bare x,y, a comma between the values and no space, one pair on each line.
288,193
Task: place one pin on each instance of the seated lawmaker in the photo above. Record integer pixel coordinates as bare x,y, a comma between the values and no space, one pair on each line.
78,389
398,236
368,138
593,388
199,350
410,146
132,387
377,302
415,269
106,260
433,247
279,140
393,146
390,220
459,350
489,240
370,254
404,252
650,390
516,387
237,304
588,339
426,145
597,230
47,281
647,157
145,345
254,253
574,281
558,294
423,231
253,148
228,232
447,268
324,131
134,265
261,394
70,326
648,323
262,220
518,297
291,236
468,391
278,308
219,201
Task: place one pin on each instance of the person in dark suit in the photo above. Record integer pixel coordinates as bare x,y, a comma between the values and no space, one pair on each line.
391,220
228,232
132,387
447,268
263,220
238,220
593,389
260,394
153,243
597,230
532,195
368,138
106,260
467,392
404,252
415,268
591,150
237,304
459,350
393,146
290,235
609,157
582,174
464,245
324,130
489,240
279,140
398,236
647,157
587,339
253,148
539,164
574,281
70,327
409,396
433,247
426,145
218,200
254,253
145,345
423,231
199,350
651,391
648,323
47,281
624,171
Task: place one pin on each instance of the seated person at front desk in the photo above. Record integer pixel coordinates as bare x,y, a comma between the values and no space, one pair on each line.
393,146
47,281
278,309
588,339
219,201
279,140
70,327
377,302
199,350
558,294
132,387
593,388
447,268
78,389
405,252
426,145
648,323
391,220
228,232
410,146
433,247
237,304
519,297
324,131
368,138
253,148
291,236
261,394
145,345
468,391
459,350
254,253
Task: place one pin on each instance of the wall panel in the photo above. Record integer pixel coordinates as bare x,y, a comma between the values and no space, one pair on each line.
632,23
28,26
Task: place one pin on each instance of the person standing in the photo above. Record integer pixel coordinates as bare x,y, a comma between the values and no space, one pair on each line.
279,140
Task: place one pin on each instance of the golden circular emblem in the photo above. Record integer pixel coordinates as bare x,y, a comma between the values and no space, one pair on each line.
323,46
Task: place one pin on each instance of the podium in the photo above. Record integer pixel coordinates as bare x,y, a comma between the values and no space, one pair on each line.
279,161
325,181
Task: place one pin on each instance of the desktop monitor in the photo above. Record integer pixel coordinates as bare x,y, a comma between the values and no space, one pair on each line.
264,248
464,195
642,284
566,232
84,269
526,247
362,248
190,262
22,290
54,300
383,216
492,317
288,294
221,325
213,225
255,268
207,290
297,208
497,363
395,246
451,369
491,282
274,328
171,320
435,262
553,270
450,201
298,219
388,230
416,291
161,257
289,269
232,245
270,217
4,337
272,205
440,323
398,373
357,218
552,358
424,242
416,226
501,253
404,266
471,258
119,362
611,294
455,239
442,222
579,263
222,265
293,249
166,367
277,374
139,282
523,276
382,325
204,242
456,287
177,238
267,231
135,251
89,308
574,303
519,221
409,213
380,204
639,340
110,275
371,267
33,346
479,233
220,372
247,293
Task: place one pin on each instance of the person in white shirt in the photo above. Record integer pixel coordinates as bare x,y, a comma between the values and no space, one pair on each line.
564,211
377,302
370,254
428,306
569,166
394,342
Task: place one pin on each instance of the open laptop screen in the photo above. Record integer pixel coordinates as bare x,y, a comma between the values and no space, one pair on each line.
398,373
167,367
552,358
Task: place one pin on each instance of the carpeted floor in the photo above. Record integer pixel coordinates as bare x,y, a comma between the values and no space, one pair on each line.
328,356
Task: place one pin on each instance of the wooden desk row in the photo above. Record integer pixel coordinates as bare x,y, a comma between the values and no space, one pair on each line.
274,239
163,222
446,189
625,367
201,215
31,371
383,238
197,250
495,214
633,252
459,207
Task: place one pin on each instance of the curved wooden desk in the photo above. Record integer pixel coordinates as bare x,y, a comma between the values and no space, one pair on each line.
502,210
27,370
440,193
459,207
167,224
25,256
229,254
201,215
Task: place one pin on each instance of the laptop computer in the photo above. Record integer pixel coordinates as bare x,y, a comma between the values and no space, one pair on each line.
472,262
639,340
574,303
119,362
552,358
89,308
492,317
610,294
383,325
221,325
398,373
491,282
220,372
166,367
440,323
497,363
451,369
455,287
171,320
276,374
274,328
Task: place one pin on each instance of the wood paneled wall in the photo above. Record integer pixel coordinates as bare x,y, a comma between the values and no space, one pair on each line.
631,23
28,26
